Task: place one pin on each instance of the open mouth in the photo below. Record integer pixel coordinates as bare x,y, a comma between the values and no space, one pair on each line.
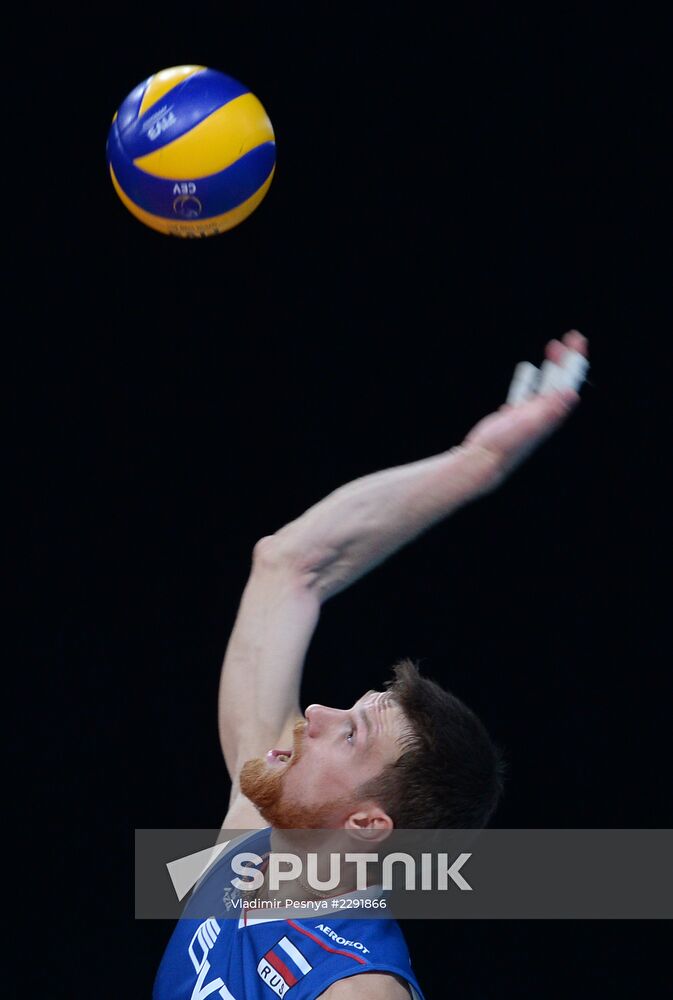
276,757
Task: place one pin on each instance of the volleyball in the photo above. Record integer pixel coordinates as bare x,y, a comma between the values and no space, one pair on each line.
191,151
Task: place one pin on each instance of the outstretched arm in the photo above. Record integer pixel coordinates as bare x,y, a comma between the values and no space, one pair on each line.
345,535
361,524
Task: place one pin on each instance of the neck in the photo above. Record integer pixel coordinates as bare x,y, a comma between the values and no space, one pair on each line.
310,865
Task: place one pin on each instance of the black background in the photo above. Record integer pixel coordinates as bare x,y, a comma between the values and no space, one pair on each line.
451,192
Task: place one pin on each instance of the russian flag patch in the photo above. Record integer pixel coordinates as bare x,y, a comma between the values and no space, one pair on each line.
282,967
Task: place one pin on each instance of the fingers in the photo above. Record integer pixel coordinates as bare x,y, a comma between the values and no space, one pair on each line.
575,366
554,351
563,371
523,384
575,341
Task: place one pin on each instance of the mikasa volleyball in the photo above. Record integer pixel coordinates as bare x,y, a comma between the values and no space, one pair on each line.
191,151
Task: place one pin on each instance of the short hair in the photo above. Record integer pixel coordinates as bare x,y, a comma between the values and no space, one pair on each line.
450,774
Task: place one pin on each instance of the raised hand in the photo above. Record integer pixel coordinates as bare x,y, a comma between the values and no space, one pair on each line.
538,402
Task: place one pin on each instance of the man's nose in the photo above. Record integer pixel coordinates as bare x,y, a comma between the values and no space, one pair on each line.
320,718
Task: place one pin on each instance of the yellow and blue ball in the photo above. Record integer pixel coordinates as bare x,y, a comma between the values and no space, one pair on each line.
191,151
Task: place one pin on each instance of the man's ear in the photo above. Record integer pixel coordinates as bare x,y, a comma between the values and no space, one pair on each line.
369,823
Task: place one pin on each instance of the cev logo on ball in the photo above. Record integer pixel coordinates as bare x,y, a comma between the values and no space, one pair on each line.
187,206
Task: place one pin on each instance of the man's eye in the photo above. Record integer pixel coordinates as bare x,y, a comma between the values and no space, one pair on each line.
350,736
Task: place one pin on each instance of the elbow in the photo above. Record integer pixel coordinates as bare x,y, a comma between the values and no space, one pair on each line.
272,552
266,552
279,553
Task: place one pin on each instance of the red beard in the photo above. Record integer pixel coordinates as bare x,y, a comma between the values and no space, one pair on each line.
263,785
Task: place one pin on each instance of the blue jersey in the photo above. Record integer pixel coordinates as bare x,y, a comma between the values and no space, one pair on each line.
258,958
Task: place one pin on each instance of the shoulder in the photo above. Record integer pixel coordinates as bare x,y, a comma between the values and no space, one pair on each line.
368,986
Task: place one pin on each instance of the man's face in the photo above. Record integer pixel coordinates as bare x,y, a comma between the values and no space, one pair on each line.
313,784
